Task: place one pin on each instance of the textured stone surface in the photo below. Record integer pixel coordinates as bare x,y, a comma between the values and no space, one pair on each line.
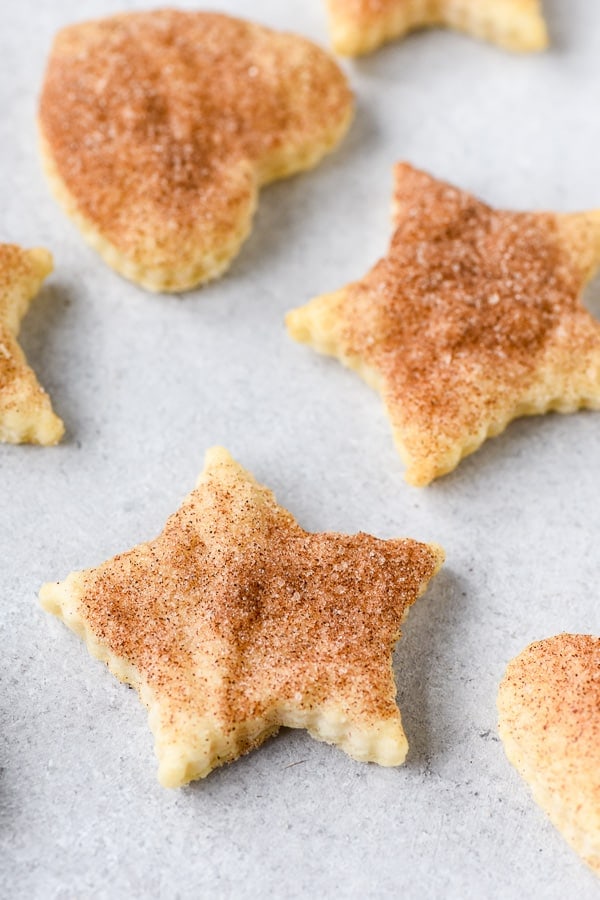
145,384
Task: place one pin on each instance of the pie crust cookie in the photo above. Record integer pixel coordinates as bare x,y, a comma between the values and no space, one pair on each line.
235,621
159,128
26,414
549,706
359,26
472,319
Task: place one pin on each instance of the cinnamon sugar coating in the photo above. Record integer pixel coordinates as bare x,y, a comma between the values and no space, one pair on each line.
26,415
158,129
549,706
359,26
473,318
235,621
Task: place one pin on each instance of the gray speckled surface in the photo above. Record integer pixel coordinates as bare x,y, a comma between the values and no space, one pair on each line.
146,383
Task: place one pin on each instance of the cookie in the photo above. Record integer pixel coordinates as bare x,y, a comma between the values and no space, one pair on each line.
235,621
549,706
359,26
159,128
26,414
473,318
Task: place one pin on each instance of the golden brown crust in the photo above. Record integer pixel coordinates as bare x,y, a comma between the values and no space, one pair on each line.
549,706
159,128
235,621
472,319
359,26
26,414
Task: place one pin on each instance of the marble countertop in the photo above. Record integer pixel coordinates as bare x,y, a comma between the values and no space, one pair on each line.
146,383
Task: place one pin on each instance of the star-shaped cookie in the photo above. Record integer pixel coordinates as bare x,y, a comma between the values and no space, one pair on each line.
472,319
159,128
26,414
235,621
549,706
359,26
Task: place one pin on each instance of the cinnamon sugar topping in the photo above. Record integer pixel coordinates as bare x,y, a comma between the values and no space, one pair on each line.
159,127
472,318
549,705
237,614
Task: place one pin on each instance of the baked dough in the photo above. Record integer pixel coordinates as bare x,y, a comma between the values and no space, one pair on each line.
26,415
549,706
473,318
159,128
235,621
359,26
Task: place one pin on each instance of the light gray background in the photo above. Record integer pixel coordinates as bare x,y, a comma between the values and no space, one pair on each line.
145,384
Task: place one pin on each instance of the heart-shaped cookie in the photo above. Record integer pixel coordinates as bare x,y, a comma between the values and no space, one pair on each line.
549,706
159,128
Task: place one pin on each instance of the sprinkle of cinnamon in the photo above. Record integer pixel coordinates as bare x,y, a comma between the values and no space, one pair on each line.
473,317
234,587
159,123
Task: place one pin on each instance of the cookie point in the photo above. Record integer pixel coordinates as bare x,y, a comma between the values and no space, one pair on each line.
49,597
217,456
439,555
393,753
171,778
42,259
540,38
391,745
297,325
50,429
417,478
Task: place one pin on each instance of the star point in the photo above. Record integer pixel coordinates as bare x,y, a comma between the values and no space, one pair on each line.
235,622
